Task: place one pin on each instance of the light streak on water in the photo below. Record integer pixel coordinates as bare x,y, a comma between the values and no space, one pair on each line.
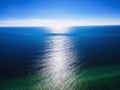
58,71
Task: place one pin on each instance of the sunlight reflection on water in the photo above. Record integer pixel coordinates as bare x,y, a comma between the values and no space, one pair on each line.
58,63
58,71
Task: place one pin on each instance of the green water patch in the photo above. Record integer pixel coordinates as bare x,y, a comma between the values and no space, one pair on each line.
100,78
97,78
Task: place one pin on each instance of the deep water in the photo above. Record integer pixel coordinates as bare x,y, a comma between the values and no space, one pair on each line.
84,58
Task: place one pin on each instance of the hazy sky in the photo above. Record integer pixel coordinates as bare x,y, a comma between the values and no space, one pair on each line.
57,9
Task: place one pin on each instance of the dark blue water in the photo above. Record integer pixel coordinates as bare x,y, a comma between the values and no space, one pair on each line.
26,51
99,45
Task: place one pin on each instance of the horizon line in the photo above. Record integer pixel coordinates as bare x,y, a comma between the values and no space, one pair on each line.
56,23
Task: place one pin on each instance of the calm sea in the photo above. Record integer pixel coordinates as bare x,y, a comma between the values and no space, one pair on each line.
84,58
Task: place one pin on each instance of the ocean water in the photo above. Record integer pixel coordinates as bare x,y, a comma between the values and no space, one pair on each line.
83,58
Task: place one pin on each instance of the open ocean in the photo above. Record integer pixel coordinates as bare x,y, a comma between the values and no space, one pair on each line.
84,58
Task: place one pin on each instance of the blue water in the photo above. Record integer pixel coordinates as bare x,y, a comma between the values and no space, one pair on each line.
29,51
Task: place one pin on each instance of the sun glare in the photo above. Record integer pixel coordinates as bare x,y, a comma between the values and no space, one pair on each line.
56,25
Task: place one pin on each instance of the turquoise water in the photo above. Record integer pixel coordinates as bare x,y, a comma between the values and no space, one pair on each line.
84,58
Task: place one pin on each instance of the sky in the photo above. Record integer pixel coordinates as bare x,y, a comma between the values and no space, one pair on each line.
60,9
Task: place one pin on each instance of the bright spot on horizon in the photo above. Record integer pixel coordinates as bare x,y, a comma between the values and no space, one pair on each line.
56,25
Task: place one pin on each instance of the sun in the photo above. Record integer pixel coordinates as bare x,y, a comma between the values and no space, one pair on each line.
58,27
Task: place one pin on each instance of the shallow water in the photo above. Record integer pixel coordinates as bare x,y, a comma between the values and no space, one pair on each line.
84,58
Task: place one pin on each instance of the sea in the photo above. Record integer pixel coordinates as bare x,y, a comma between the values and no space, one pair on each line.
83,58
